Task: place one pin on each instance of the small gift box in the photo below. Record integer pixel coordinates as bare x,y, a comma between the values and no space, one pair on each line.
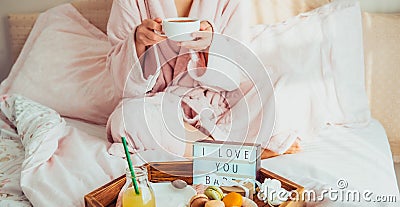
245,188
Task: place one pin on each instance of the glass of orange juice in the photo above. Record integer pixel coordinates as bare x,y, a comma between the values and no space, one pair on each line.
145,198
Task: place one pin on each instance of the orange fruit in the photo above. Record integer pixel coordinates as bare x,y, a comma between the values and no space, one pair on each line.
233,200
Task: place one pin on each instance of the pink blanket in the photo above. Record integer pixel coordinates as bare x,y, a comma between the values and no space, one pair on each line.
61,164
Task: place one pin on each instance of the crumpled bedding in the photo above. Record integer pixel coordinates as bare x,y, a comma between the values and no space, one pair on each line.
36,144
359,157
48,183
11,158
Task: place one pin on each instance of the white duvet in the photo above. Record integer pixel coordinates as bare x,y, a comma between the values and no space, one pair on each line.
359,157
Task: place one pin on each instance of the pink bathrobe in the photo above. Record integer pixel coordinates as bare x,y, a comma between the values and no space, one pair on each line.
160,92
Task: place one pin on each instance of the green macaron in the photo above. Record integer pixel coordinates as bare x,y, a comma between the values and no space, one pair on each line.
214,193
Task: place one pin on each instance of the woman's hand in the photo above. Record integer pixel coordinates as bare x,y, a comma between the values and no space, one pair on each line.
145,34
203,38
292,150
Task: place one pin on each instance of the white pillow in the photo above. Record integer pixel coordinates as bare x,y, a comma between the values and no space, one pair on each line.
317,67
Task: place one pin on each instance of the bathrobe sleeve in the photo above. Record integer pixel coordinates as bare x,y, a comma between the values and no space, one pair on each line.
123,62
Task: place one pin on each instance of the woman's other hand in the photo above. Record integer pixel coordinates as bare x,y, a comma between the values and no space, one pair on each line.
203,38
146,35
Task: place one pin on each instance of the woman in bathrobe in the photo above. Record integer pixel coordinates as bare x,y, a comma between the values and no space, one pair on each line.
164,84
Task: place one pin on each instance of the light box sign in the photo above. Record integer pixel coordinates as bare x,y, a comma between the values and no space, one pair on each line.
217,161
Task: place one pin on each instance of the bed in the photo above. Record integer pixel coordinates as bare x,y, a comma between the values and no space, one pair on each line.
360,157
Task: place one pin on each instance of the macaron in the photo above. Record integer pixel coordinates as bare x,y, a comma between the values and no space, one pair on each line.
215,203
198,200
214,193
233,199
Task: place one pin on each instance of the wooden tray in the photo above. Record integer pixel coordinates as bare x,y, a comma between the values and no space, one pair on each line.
106,195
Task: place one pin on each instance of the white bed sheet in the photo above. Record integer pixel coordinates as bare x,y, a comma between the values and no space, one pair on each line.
95,130
360,156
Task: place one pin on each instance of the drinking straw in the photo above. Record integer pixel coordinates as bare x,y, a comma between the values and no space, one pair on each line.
128,158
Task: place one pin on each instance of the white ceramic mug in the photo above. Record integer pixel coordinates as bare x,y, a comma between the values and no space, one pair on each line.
180,28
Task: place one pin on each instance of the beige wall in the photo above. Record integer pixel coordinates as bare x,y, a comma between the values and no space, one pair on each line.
380,5
28,6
